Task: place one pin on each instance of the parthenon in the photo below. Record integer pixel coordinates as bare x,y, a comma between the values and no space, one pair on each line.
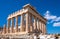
26,23
31,22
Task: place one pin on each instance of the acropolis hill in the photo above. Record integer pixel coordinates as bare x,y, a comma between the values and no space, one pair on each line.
31,22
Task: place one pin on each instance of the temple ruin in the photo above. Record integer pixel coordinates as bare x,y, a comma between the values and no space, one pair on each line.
31,22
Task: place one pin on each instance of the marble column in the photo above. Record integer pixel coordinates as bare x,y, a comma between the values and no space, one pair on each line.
22,22
27,22
4,29
16,23
38,25
8,31
41,27
35,24
12,24
44,28
30,22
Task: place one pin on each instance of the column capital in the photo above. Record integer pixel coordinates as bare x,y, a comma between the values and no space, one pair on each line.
35,17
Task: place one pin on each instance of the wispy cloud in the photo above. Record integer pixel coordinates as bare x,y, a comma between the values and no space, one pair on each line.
52,18
56,24
57,19
49,16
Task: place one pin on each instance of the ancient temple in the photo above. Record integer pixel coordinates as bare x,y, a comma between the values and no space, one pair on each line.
31,22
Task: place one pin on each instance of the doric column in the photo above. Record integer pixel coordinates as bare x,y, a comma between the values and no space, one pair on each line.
16,23
27,22
22,22
30,22
8,31
4,29
12,25
41,27
35,24
38,24
44,28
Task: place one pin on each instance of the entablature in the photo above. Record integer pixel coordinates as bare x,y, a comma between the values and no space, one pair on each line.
22,11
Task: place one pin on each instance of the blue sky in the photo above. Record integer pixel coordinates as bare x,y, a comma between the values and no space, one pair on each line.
50,9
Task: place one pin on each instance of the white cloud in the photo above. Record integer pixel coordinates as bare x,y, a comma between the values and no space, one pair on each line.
56,24
52,18
57,19
48,16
